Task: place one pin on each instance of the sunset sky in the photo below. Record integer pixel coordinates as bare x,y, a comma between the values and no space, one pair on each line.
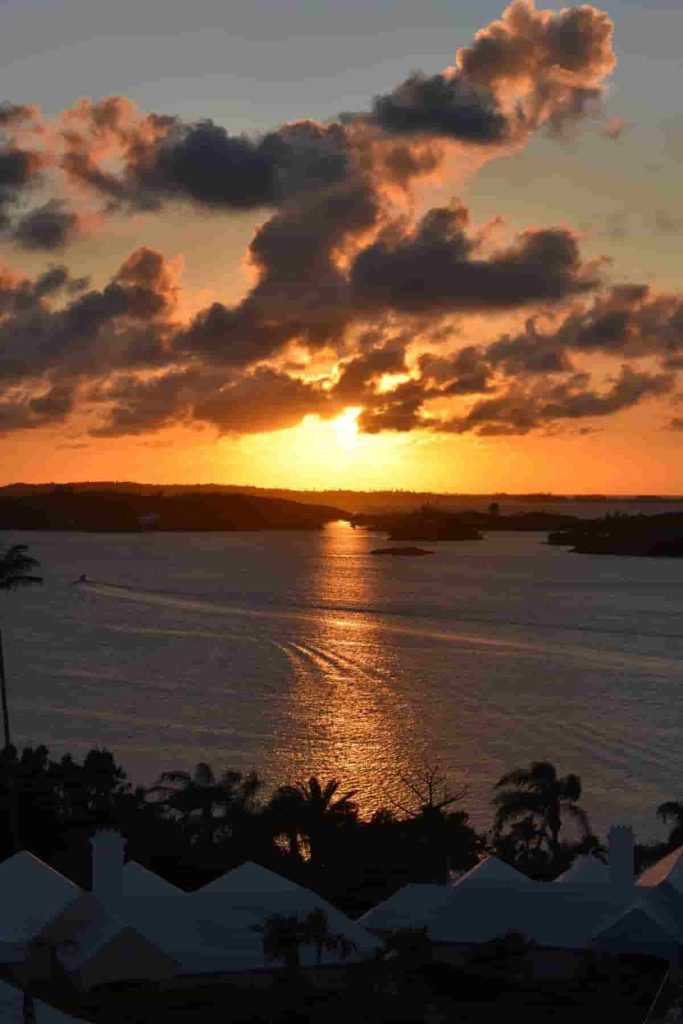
420,244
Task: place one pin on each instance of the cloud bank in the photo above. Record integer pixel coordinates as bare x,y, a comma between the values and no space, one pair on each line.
361,297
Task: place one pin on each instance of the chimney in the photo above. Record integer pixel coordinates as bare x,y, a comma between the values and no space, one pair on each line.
621,858
108,855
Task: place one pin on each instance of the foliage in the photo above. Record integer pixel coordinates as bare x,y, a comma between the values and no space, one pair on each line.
533,803
16,568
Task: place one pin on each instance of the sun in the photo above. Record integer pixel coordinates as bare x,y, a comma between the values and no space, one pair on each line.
346,428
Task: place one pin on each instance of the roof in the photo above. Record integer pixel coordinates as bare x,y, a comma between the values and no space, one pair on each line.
492,871
219,928
549,914
640,927
668,869
31,895
11,999
249,877
585,871
140,881
413,906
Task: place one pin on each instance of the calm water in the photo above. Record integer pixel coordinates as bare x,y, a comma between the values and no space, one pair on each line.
300,653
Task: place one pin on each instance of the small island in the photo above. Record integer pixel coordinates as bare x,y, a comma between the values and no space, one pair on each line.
401,551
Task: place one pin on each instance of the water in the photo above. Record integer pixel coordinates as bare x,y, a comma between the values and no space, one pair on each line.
301,653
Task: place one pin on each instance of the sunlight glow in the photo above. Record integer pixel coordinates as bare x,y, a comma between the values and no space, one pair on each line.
346,428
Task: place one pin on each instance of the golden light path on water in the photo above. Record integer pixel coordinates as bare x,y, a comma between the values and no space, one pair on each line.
342,701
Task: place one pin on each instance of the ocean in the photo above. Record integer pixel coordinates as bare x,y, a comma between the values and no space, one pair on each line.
301,653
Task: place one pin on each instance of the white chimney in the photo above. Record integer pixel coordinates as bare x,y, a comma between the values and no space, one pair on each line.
621,858
108,856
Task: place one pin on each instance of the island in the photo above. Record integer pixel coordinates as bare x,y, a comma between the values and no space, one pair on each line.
67,507
401,551
426,523
655,536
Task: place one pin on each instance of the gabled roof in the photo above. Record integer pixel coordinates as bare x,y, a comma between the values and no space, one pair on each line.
249,877
668,869
585,871
640,925
31,895
492,871
413,906
140,881
219,928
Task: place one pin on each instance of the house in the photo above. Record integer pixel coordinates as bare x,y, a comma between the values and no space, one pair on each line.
50,926
218,929
590,906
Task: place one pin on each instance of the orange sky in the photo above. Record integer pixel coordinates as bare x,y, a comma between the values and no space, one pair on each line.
444,312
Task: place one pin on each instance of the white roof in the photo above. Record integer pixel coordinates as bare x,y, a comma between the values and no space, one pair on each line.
140,881
11,999
492,871
668,869
219,928
413,906
639,926
585,871
249,877
31,895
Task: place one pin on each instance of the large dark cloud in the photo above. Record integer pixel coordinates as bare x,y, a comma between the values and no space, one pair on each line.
438,267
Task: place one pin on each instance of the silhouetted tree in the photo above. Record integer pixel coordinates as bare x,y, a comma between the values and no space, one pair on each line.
16,571
445,837
309,813
539,795
207,806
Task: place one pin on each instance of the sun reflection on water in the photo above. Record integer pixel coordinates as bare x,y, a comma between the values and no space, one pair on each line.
344,717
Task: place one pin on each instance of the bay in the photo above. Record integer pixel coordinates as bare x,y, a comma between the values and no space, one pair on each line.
301,653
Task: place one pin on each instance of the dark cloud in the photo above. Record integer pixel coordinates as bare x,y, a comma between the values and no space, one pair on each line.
438,267
398,410
19,172
446,105
48,227
520,410
122,325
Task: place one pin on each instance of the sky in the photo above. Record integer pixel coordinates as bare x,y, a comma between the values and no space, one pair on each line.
423,244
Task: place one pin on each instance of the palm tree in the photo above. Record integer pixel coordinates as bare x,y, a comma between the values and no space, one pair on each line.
284,934
16,568
281,940
311,810
672,811
539,794
215,802
316,932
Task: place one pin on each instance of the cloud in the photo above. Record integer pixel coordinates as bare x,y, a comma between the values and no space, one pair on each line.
48,227
438,267
520,410
356,298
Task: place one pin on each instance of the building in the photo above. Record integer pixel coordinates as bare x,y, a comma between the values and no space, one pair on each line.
590,906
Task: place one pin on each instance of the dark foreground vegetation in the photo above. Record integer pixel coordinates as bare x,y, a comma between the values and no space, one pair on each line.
192,826
69,508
